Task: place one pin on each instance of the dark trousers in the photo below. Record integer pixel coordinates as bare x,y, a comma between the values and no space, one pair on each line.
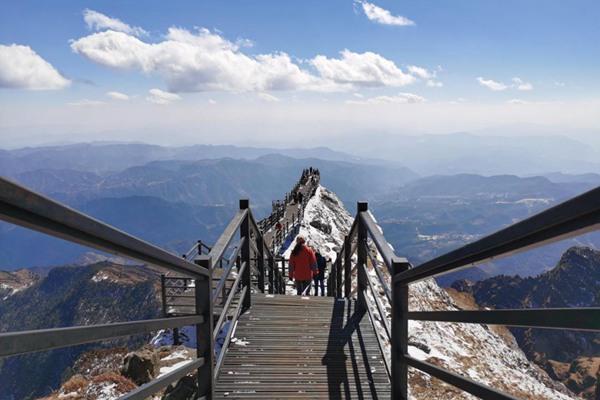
319,281
300,286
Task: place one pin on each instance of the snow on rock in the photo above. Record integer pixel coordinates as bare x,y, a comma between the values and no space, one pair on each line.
324,212
476,351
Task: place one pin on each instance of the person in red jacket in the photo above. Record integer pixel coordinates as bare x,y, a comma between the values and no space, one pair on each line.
303,264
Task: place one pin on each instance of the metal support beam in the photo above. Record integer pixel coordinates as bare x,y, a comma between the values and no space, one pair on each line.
399,376
585,319
24,207
273,287
245,253
347,266
204,331
14,343
260,256
362,249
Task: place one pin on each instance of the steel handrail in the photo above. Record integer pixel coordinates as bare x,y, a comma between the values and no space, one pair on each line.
147,390
573,217
22,342
227,236
230,297
223,280
225,346
384,248
21,206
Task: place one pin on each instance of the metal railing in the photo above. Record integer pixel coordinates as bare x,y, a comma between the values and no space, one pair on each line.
21,206
24,207
573,217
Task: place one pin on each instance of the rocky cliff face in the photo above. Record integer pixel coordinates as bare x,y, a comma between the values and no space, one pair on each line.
485,354
569,356
71,296
16,281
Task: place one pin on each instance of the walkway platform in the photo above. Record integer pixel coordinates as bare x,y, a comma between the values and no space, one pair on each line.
292,347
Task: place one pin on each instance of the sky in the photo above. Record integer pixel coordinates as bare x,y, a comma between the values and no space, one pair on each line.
291,73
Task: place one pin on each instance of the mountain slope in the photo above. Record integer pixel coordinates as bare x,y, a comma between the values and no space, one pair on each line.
72,296
573,282
471,349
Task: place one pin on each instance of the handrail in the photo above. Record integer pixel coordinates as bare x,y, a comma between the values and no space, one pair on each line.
227,236
582,319
230,297
225,346
573,217
385,250
384,285
21,342
576,216
32,210
147,390
24,207
225,276
466,384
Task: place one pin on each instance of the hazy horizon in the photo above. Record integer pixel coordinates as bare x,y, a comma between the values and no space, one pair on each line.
281,74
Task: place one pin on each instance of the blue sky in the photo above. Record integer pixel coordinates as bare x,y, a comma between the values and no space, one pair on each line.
408,67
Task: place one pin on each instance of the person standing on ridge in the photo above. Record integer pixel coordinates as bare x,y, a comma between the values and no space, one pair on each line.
319,278
303,265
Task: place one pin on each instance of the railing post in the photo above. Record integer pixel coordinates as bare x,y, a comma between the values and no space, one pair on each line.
204,331
260,262
361,250
339,282
332,281
399,376
347,266
271,269
245,253
163,292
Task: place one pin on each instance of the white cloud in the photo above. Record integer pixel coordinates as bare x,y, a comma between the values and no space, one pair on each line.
361,69
400,98
117,96
212,102
86,103
559,84
158,96
205,61
432,83
383,16
268,97
521,85
517,101
97,21
426,75
22,68
491,84
420,72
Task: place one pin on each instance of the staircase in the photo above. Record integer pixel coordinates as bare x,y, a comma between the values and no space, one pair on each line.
293,347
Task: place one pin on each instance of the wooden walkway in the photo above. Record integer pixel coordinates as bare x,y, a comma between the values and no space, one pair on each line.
292,347
290,213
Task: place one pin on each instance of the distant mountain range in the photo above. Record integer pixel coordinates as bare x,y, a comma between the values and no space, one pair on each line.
174,203
432,215
573,282
103,157
484,154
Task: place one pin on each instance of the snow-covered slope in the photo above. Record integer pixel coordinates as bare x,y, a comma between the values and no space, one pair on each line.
486,354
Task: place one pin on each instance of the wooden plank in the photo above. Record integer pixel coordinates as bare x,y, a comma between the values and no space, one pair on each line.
296,347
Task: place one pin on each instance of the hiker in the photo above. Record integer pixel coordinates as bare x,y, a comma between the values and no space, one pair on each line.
319,278
303,265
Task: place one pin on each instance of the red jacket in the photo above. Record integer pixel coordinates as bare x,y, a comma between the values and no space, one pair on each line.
302,264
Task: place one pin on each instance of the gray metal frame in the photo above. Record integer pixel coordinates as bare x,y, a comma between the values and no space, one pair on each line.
573,217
